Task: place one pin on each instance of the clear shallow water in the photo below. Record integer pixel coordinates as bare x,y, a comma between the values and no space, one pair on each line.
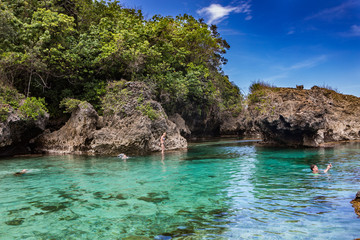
215,190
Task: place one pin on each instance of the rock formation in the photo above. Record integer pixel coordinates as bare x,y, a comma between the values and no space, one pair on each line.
299,117
356,203
16,132
132,123
75,136
239,126
181,124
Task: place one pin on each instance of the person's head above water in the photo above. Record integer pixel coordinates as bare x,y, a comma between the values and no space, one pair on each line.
122,156
314,168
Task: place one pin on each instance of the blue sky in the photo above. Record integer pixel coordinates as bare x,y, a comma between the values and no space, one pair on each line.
282,42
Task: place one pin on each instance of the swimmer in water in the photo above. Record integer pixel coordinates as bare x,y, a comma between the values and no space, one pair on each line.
21,172
315,169
123,156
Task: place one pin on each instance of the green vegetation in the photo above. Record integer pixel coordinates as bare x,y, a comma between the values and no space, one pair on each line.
71,104
29,108
33,108
71,49
257,91
115,98
148,110
9,98
259,85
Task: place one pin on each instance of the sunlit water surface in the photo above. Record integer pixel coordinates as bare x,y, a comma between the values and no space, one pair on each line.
215,190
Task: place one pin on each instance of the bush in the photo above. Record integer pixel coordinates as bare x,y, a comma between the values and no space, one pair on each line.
33,108
257,91
148,110
70,104
9,98
116,97
259,85
4,112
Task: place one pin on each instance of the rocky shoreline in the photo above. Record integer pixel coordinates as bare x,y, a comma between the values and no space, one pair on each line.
133,122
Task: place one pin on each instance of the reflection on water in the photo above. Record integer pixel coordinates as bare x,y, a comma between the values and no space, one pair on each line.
220,190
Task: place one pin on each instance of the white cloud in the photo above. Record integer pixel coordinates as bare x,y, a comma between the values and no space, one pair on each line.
231,32
335,12
217,13
290,32
355,30
276,77
285,72
309,63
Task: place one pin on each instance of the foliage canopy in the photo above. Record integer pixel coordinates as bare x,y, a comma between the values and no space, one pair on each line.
70,49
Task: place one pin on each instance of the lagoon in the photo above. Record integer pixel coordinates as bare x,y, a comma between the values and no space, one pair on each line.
219,189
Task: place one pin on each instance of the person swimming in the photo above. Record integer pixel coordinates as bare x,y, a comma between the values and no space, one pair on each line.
122,156
21,172
315,169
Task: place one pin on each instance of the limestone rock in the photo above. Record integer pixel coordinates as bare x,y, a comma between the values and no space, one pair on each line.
75,136
16,132
132,124
299,117
240,126
136,134
356,203
181,124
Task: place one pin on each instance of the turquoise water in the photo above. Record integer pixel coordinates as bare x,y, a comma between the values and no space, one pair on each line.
215,190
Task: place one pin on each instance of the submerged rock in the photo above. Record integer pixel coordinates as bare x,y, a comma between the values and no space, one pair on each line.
137,238
155,197
15,222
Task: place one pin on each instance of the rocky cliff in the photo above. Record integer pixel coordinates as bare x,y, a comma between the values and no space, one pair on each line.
21,119
300,117
17,131
132,123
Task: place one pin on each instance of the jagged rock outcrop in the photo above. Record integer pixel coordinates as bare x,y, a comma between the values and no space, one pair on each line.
181,124
239,125
132,123
75,136
356,203
299,117
17,130
200,121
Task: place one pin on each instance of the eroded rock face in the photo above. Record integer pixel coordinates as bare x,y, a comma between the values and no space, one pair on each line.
132,124
356,203
298,117
16,132
75,136
136,134
181,124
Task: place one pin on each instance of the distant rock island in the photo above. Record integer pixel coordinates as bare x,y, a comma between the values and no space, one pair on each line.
299,117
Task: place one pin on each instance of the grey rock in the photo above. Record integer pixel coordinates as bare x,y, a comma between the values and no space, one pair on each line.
312,118
181,124
17,131
127,126
74,137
